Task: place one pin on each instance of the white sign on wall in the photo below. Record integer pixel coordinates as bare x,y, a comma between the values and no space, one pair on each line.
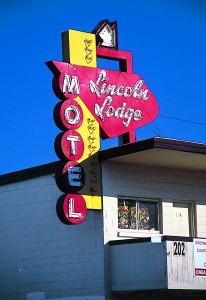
200,257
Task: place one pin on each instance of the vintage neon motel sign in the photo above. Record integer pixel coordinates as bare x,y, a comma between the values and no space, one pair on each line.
95,103
119,101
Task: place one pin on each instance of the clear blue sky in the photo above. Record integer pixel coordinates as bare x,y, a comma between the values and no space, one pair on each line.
168,42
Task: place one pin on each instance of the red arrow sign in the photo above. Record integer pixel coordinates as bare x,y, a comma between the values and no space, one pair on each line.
119,101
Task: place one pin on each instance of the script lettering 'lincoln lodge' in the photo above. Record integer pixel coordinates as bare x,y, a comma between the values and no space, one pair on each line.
119,112
71,85
127,91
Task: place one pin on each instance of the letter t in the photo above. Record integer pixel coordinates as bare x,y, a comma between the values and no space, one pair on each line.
73,139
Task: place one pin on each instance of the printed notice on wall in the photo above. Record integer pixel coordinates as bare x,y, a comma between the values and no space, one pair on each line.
200,257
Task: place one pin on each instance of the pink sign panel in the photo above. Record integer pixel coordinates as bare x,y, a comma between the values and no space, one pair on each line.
70,177
71,209
69,145
68,115
119,101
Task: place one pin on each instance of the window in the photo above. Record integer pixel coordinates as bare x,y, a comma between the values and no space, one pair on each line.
138,214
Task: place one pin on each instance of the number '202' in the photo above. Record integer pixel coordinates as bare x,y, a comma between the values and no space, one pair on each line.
179,248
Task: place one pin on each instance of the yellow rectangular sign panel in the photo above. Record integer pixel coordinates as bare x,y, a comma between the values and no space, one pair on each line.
89,131
81,48
92,189
93,202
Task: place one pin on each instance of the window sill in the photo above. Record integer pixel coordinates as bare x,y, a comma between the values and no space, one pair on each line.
146,233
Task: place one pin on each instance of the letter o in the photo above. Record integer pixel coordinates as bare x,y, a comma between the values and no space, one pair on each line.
72,119
71,114
128,92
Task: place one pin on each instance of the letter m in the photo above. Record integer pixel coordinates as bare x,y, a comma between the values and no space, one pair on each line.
71,85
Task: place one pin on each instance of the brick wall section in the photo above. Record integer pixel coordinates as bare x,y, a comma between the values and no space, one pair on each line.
39,254
152,182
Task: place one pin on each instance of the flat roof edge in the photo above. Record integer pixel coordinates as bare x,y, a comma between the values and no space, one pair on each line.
29,173
153,143
138,146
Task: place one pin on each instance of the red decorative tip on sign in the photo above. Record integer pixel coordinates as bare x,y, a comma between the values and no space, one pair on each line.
106,34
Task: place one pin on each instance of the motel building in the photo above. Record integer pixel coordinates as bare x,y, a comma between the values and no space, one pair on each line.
128,222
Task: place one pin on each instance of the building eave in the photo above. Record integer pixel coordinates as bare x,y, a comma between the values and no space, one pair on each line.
162,152
29,173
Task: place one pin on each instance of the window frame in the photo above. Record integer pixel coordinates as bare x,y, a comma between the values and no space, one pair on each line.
140,200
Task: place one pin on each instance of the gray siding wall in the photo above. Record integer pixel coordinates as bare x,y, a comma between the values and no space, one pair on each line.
40,257
140,266
152,182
